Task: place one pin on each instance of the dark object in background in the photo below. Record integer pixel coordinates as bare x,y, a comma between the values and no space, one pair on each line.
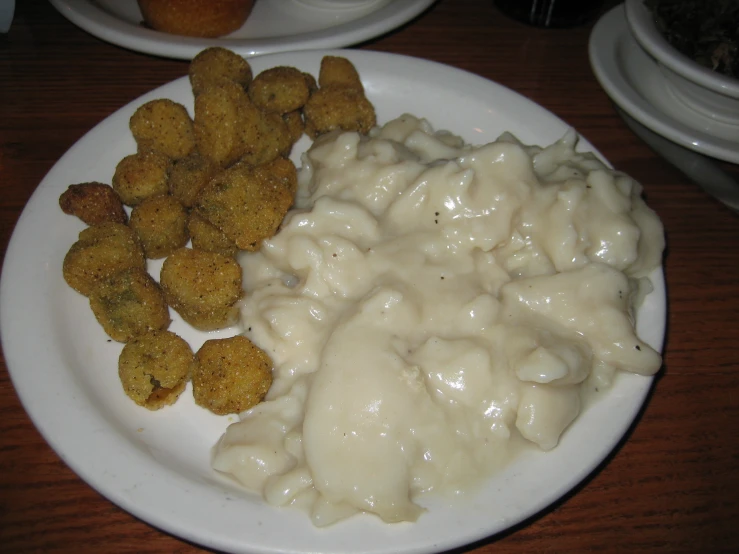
706,31
551,13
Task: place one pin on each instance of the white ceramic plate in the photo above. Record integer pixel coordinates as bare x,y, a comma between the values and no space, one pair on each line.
273,26
634,81
156,464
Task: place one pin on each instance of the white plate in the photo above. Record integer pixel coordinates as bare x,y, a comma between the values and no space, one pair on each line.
634,81
273,26
156,464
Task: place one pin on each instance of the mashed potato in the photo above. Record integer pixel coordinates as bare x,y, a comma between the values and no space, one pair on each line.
429,303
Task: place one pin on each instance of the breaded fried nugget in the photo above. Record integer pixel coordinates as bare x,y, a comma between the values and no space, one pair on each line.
295,125
338,71
279,89
161,225
247,203
188,176
230,375
165,126
141,175
93,203
216,64
266,137
154,368
206,236
101,251
128,304
203,287
333,108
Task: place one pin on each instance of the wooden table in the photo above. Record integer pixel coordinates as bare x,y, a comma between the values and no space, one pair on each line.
673,485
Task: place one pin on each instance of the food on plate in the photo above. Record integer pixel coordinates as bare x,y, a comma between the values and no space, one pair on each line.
164,126
154,368
140,175
100,252
215,64
203,287
195,18
279,89
206,236
248,203
188,176
295,124
128,304
93,203
430,308
230,375
160,222
339,71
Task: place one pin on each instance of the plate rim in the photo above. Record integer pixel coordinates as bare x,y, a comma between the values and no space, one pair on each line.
642,385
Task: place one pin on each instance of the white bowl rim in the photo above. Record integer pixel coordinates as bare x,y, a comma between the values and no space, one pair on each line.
645,31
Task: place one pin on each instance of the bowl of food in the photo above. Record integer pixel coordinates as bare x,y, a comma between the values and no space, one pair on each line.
695,46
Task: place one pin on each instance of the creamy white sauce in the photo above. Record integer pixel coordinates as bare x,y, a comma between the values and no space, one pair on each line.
428,303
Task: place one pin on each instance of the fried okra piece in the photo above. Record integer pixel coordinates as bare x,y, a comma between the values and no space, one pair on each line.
338,108
295,125
248,203
101,251
129,304
161,225
141,175
154,368
338,71
206,236
165,126
203,287
230,375
93,203
267,137
216,64
279,89
188,176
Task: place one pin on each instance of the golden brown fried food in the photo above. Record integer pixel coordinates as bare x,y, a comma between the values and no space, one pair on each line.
206,236
341,108
101,251
216,64
203,287
161,225
279,89
338,71
188,176
141,175
230,375
93,203
154,368
295,125
128,304
247,203
266,136
195,18
164,126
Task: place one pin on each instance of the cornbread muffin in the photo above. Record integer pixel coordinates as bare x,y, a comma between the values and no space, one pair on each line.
195,18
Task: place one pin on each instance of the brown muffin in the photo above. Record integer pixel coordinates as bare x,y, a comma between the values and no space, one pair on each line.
195,18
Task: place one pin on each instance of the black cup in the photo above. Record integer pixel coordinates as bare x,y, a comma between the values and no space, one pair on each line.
551,13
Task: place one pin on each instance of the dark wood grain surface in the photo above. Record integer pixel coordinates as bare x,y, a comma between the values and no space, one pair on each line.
671,486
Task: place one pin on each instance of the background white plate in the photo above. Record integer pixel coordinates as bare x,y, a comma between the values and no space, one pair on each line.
634,81
156,464
273,26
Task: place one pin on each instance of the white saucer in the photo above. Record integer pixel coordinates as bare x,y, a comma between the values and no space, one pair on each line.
634,81
273,26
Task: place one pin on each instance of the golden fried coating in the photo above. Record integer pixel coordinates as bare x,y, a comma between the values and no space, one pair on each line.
188,176
161,225
164,126
203,287
283,171
267,137
338,71
279,89
206,236
141,175
101,251
93,203
230,375
129,304
215,64
334,107
295,125
154,368
311,82
247,203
